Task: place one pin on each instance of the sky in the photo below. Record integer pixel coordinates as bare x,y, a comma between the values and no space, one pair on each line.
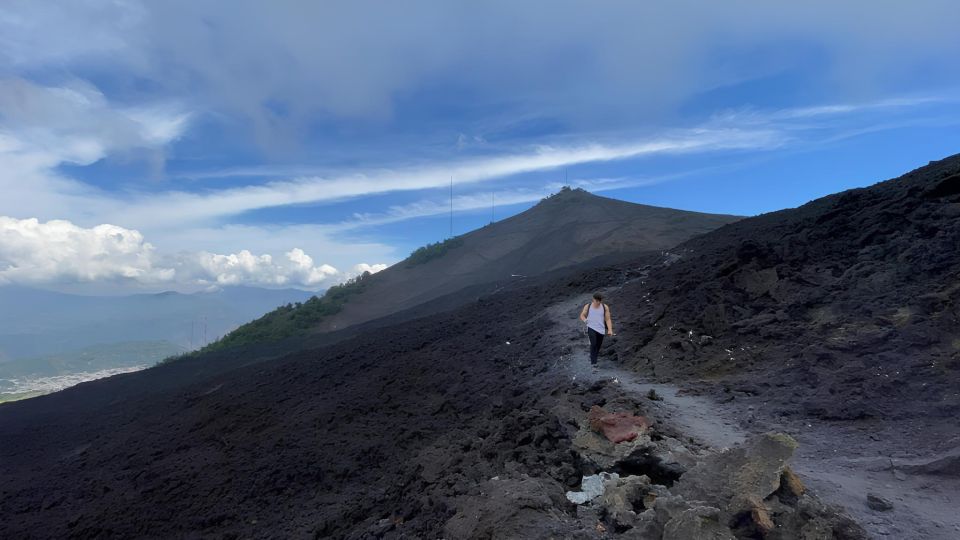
187,145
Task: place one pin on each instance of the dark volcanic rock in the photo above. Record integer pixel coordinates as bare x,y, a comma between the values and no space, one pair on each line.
875,502
390,433
848,305
845,308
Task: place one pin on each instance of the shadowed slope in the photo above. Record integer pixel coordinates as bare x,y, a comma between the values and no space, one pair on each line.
843,308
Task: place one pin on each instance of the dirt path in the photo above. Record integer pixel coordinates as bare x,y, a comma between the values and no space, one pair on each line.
834,462
698,418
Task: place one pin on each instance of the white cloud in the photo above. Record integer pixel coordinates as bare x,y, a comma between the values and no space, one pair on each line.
372,268
32,252
37,253
244,268
74,123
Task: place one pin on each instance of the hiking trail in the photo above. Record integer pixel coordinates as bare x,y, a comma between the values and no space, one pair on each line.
924,506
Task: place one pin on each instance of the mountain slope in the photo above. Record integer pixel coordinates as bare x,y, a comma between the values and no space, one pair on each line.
324,442
570,227
844,308
456,425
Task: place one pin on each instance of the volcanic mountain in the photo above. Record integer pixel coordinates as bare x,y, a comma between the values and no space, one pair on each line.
568,229
829,323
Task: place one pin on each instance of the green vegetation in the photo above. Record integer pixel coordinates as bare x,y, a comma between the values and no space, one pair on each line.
432,251
291,319
563,191
298,318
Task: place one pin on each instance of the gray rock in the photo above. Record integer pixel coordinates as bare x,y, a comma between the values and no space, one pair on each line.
947,464
697,523
603,454
644,527
672,451
737,480
508,508
878,503
621,496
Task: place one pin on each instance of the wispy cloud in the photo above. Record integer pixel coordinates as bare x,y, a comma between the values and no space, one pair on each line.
201,207
218,247
489,200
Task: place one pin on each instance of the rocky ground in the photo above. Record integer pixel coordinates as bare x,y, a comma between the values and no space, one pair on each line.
843,309
467,424
836,322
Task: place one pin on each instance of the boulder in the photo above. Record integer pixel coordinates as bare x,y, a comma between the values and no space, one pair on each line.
878,503
617,427
644,527
810,519
947,464
791,487
739,479
622,497
673,452
602,454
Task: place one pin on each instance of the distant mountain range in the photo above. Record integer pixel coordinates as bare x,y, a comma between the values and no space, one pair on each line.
49,333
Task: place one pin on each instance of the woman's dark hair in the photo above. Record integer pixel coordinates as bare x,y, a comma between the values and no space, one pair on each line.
597,296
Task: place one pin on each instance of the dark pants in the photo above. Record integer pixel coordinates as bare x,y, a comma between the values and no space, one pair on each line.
596,339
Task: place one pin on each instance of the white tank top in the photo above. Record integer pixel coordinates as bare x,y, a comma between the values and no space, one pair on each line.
595,318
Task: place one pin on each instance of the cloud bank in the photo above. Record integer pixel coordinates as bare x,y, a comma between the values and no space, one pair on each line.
32,252
38,253
619,61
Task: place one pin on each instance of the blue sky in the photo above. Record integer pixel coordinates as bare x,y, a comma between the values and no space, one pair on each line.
181,145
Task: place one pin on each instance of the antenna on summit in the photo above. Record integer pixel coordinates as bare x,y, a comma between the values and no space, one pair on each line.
451,206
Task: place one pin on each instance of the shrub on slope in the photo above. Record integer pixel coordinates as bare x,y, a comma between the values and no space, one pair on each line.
293,319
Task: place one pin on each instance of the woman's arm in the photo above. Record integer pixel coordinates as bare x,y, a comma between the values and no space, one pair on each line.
609,322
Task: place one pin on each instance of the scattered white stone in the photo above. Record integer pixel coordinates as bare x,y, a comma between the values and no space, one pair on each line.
591,487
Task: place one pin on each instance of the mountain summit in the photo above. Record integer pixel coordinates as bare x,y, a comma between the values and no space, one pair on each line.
567,228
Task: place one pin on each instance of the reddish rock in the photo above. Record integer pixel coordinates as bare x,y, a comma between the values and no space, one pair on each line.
617,427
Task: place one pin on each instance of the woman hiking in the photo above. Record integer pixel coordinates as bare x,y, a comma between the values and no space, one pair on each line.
596,315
